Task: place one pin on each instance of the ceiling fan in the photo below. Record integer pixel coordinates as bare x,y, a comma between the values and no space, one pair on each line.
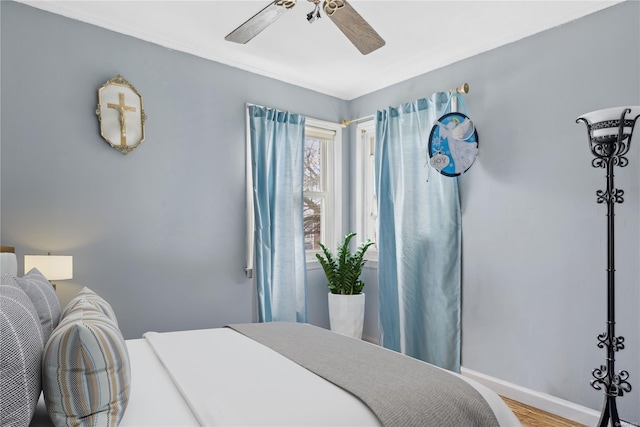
357,30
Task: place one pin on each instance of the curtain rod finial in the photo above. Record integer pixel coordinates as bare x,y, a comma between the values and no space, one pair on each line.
464,88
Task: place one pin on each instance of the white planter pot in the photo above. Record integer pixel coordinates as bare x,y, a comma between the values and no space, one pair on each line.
346,314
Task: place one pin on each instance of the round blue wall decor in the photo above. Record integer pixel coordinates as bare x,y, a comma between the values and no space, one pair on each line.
453,144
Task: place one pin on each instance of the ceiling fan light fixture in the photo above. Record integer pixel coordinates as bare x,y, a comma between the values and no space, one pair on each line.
330,6
340,12
314,14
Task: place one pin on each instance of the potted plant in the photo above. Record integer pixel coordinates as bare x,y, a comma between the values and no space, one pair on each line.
346,299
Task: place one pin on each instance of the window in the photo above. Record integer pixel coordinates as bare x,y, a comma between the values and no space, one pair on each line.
322,209
322,191
366,204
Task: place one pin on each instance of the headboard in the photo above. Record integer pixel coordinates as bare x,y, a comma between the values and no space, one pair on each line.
8,260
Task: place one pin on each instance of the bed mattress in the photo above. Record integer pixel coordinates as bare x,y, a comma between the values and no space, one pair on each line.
219,377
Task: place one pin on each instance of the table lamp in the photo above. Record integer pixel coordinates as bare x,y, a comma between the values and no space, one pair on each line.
53,267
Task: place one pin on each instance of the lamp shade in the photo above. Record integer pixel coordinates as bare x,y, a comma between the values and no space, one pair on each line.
608,121
53,267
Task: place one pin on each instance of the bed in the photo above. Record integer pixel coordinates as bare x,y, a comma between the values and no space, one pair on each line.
270,374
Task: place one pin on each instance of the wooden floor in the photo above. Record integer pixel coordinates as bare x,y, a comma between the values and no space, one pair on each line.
532,417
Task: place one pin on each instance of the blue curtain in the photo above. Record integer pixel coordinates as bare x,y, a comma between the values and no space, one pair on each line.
419,238
277,152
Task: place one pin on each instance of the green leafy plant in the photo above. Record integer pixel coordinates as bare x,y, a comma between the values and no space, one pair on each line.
343,271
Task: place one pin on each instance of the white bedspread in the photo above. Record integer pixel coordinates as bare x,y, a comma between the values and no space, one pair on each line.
229,379
154,401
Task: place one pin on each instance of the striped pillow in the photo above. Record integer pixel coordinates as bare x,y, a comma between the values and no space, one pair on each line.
87,296
44,298
21,343
86,371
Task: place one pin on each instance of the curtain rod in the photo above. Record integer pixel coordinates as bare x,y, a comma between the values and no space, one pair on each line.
360,119
463,88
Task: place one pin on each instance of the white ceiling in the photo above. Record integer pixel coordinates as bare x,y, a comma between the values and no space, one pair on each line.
420,35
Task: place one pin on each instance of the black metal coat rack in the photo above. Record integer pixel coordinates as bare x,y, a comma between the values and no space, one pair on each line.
610,149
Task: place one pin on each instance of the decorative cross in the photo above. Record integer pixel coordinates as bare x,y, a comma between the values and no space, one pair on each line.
122,109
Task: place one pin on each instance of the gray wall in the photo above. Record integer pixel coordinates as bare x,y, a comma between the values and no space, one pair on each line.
160,232
534,238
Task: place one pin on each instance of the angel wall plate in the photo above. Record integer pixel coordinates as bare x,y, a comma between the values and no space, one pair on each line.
453,144
121,114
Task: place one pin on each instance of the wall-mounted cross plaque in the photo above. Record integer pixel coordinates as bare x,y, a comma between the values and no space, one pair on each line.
121,114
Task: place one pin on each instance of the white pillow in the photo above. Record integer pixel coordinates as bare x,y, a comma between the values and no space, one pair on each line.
8,263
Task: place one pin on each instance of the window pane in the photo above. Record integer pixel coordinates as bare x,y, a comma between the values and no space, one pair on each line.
313,222
371,207
320,212
313,164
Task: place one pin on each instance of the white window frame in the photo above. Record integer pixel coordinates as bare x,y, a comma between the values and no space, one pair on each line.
333,176
333,209
364,188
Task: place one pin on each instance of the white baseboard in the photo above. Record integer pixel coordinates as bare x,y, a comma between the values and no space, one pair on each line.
546,402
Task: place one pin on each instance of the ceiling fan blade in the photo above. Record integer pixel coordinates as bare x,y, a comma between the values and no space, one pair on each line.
357,30
258,22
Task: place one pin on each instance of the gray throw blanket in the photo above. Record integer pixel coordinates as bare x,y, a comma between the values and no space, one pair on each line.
401,391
